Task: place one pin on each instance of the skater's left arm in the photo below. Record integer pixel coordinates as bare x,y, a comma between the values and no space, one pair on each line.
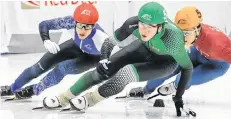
180,55
183,60
186,65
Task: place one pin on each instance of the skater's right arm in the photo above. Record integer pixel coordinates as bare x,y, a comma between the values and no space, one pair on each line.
110,47
121,34
55,24
124,33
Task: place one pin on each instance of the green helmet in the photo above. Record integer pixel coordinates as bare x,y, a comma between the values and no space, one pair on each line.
152,13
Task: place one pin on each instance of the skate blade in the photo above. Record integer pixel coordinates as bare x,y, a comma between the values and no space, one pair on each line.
38,108
121,97
15,99
10,99
66,109
6,97
72,110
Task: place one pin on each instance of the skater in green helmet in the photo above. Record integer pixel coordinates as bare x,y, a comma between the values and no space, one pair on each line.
156,52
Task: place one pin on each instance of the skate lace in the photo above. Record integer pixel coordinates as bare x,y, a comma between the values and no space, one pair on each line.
22,93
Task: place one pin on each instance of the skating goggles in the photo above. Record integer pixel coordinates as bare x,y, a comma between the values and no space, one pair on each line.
187,33
147,25
85,26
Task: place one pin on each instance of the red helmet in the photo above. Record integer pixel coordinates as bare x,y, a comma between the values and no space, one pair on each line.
86,13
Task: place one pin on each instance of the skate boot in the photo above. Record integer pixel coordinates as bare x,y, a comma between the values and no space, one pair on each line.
5,91
51,102
167,89
137,92
25,93
62,100
86,101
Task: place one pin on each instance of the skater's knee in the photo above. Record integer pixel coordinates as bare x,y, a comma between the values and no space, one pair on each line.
67,67
222,68
97,77
35,70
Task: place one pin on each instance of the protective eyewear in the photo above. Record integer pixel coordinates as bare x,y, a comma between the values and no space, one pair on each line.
84,26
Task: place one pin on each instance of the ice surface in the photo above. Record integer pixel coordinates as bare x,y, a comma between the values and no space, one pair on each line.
211,100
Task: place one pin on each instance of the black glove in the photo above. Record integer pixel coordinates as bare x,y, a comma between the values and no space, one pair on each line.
102,68
178,104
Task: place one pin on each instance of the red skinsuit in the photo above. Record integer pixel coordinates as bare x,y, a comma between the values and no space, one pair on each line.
213,44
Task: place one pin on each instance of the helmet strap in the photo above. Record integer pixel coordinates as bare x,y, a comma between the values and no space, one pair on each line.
158,27
196,29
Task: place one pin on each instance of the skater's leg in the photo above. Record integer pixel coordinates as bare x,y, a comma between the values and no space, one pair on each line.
154,83
123,57
56,75
68,50
206,72
111,87
119,81
151,85
157,71
205,69
135,52
123,77
73,66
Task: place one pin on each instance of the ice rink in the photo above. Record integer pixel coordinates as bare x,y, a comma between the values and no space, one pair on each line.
209,101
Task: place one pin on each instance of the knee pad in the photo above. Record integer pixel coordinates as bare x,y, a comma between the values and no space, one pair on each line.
67,67
97,77
118,82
